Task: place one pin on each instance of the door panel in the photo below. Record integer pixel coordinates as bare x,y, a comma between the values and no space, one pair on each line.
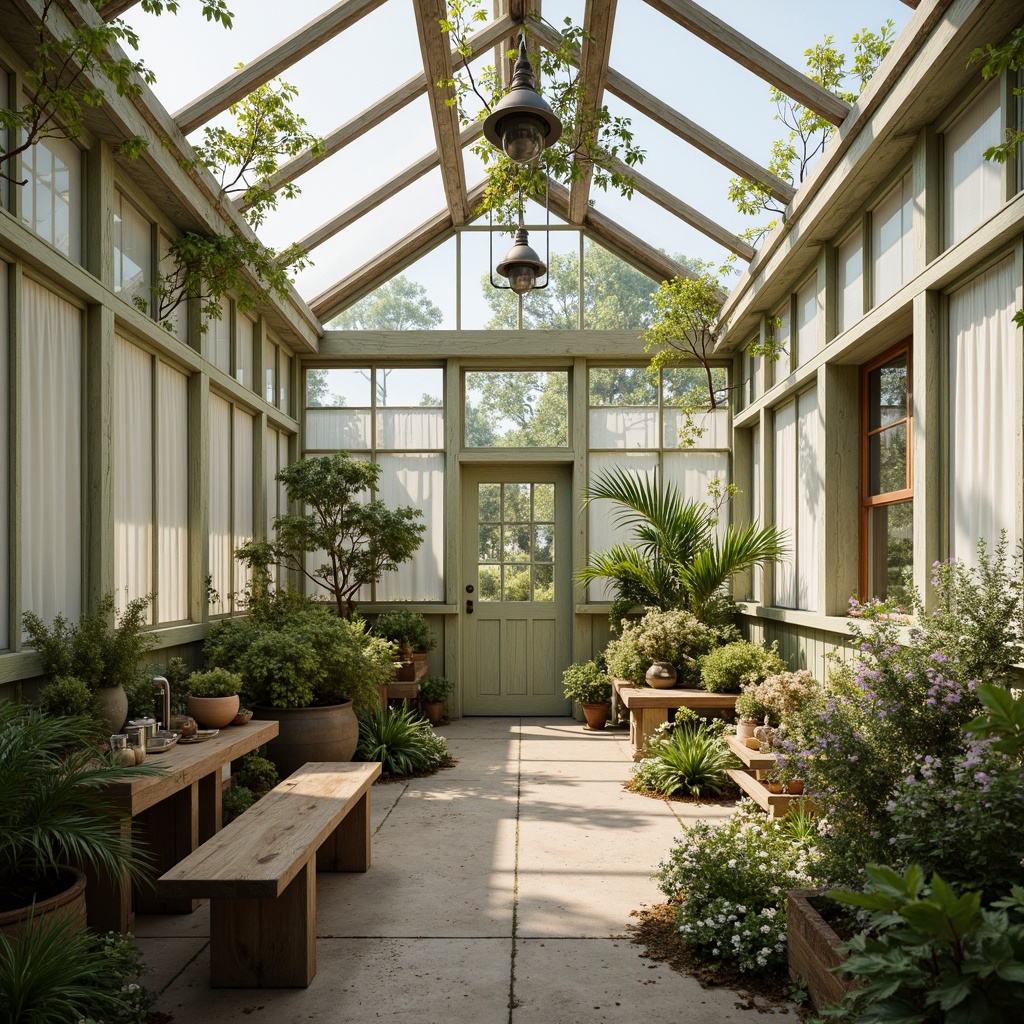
517,638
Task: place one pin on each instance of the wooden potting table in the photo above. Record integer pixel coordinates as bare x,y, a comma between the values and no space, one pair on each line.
170,817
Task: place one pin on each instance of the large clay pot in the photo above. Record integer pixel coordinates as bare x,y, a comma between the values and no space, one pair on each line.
69,904
745,728
310,734
662,675
213,712
434,711
113,707
596,715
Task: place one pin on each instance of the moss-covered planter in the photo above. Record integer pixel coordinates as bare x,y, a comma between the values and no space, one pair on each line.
814,949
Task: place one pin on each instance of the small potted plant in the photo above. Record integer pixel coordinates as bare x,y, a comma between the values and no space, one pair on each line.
410,634
585,683
213,697
434,691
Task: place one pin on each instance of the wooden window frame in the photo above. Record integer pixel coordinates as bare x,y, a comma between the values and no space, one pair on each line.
869,501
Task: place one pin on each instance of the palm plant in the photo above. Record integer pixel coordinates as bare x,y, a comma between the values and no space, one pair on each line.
679,559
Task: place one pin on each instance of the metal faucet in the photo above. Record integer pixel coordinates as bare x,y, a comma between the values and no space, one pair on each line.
160,683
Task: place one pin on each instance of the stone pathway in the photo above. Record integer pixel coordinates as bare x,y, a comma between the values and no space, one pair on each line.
500,893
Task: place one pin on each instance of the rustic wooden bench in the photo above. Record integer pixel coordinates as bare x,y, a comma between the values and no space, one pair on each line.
259,873
648,708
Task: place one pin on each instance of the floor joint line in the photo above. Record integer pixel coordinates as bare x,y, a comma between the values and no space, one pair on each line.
515,878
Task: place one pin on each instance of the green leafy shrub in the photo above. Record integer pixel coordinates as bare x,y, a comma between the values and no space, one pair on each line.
257,774
176,672
691,759
435,689
931,956
585,683
236,800
778,698
677,637
217,682
51,976
729,883
728,669
408,631
68,696
403,742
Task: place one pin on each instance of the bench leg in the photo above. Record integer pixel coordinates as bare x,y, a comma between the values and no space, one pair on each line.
347,848
642,723
266,943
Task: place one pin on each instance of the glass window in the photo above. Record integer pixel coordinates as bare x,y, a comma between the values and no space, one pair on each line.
517,409
284,393
887,520
269,371
51,198
808,332
849,281
892,241
133,253
974,185
244,330
516,556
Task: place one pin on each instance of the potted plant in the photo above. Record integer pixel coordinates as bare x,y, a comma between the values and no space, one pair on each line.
54,808
304,667
434,692
585,683
411,635
213,697
103,650
677,637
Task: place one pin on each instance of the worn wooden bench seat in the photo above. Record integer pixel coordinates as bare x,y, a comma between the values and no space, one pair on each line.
648,708
259,873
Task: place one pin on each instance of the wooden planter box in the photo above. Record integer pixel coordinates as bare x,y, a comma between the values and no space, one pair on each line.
814,949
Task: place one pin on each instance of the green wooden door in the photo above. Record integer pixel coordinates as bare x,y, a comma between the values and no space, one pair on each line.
517,618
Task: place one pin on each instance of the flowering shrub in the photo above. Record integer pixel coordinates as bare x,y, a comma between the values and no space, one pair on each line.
728,669
730,881
961,818
676,637
779,697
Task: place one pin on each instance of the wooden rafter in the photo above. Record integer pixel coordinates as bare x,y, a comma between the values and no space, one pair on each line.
722,36
437,63
647,103
413,172
912,3
271,63
668,201
115,8
376,114
598,19
389,262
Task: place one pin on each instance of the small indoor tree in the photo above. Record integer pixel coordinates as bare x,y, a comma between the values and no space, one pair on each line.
359,539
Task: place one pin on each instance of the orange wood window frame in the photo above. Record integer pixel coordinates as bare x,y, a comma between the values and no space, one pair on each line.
869,501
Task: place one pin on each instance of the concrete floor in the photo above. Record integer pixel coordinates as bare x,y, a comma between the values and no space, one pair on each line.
500,893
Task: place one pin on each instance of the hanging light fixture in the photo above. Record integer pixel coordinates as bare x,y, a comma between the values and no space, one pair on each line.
522,125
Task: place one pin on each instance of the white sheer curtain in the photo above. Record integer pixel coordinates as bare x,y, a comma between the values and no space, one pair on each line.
711,425
974,185
612,427
132,472
416,480
329,430
220,503
850,269
243,521
756,513
985,412
808,324
271,450
785,502
172,494
414,427
892,240
4,452
808,500
602,530
51,454
218,333
245,330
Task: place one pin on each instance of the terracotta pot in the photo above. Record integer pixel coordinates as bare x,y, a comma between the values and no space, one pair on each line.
406,672
596,715
795,787
310,734
745,728
420,658
70,904
813,950
662,675
113,707
213,712
434,711
774,786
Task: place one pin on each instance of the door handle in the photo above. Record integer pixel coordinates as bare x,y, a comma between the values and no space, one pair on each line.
469,607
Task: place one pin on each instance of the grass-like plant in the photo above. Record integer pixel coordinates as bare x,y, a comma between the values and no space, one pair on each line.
403,742
691,760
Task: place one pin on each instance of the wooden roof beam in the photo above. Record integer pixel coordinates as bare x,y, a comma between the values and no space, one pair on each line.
437,63
375,114
272,62
667,201
649,104
598,21
722,36
412,173
389,262
115,8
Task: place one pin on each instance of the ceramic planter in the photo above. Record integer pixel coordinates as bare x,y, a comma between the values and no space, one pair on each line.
310,734
69,904
213,712
662,675
745,728
814,949
113,706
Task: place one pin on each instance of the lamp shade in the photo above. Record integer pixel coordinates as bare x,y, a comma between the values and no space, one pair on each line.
521,124
522,266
